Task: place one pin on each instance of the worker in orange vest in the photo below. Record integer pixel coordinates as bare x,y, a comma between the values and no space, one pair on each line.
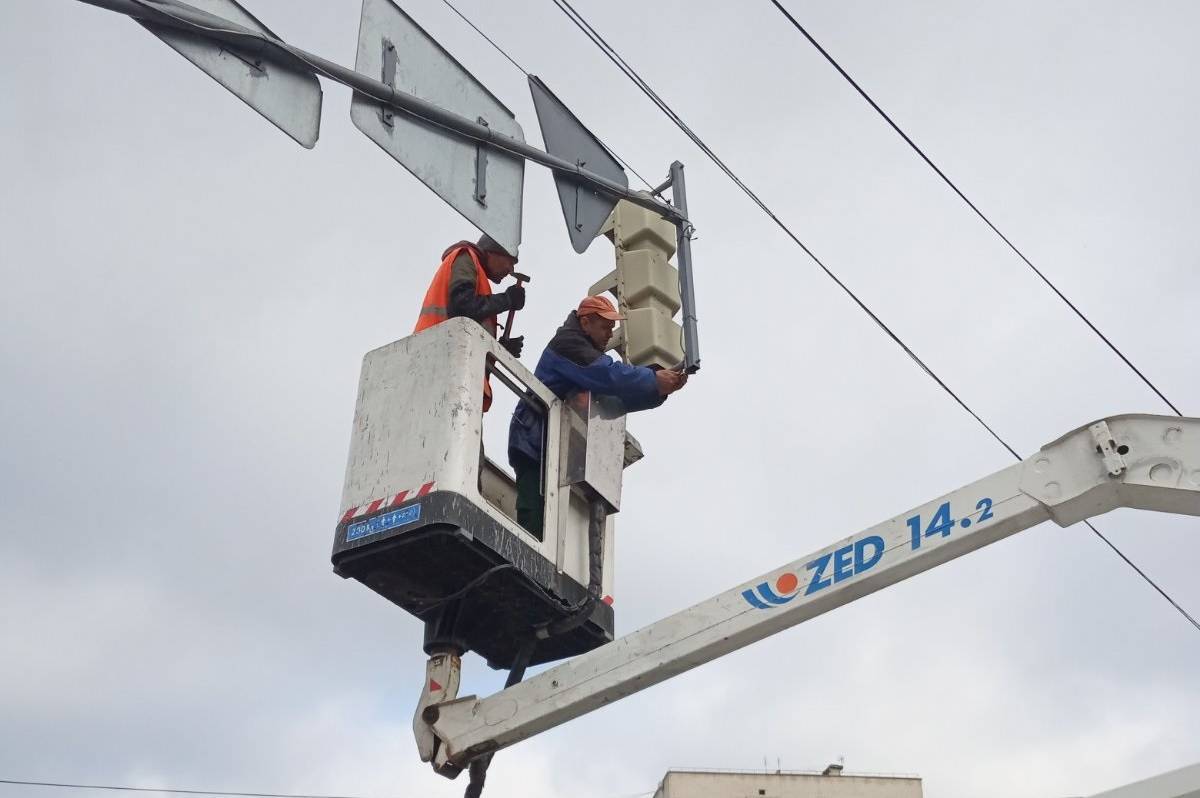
460,288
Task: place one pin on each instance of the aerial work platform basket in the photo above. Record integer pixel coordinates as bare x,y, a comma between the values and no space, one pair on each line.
429,522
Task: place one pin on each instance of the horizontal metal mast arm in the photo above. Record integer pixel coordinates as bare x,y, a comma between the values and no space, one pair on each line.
1146,462
200,23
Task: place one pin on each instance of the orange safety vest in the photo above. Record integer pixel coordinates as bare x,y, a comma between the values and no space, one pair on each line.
435,307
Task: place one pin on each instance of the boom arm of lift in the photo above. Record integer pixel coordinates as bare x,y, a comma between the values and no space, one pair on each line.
1138,461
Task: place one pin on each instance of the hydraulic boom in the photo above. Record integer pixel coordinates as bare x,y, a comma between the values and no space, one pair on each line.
1138,461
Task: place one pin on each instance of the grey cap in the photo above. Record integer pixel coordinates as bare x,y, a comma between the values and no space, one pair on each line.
489,244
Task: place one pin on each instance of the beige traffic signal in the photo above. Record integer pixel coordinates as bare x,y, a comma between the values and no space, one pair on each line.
646,286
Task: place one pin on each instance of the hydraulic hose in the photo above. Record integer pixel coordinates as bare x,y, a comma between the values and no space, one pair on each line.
597,516
477,770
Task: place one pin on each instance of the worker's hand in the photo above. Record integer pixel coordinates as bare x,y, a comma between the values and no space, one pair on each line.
514,345
669,381
516,296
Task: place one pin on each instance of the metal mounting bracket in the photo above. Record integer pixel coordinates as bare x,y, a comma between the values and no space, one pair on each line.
481,160
386,112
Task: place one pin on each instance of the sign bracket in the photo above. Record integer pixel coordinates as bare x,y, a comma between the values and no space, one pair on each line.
481,159
387,113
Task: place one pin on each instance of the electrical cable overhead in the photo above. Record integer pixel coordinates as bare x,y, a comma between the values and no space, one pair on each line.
581,23
525,72
61,785
1142,574
486,38
171,791
973,206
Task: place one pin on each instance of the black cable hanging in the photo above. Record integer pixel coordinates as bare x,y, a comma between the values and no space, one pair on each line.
973,207
167,790
581,23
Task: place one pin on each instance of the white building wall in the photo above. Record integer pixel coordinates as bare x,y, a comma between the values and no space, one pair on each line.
725,784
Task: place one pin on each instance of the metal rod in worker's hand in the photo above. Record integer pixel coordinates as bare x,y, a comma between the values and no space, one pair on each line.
508,322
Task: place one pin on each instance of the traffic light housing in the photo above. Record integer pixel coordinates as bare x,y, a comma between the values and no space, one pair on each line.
646,286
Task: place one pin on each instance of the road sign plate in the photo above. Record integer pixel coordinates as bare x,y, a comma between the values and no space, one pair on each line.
484,185
584,208
289,98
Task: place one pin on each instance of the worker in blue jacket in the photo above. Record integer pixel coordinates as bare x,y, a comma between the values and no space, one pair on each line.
574,360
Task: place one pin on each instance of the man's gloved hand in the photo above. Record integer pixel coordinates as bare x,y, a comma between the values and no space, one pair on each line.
514,345
669,381
516,297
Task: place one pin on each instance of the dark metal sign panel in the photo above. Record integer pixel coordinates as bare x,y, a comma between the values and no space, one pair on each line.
584,208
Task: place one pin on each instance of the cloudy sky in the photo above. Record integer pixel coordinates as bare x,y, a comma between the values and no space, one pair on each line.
187,295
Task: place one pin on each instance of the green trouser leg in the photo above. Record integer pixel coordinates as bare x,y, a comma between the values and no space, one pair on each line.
531,506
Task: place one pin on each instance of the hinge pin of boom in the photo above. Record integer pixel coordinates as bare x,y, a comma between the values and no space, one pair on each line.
1107,448
442,674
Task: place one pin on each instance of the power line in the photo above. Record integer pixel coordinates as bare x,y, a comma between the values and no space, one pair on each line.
972,205
173,791
62,785
1142,574
525,72
581,23
616,58
487,38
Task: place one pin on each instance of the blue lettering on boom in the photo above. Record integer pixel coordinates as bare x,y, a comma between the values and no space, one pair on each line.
817,566
848,561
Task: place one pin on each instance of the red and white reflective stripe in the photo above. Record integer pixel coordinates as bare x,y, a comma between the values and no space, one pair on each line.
391,501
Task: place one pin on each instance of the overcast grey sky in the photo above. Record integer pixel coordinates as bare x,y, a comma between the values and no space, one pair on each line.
187,295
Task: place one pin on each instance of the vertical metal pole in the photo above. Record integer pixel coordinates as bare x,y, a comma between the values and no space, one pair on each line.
687,291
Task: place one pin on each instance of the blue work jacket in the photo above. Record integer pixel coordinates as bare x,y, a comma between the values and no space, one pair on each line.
571,363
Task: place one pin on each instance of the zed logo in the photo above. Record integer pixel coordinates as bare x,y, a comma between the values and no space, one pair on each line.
828,569
764,595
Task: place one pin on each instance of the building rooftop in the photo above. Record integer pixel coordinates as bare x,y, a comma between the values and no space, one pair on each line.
832,782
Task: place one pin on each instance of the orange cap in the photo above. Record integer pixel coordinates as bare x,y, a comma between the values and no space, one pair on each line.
600,306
